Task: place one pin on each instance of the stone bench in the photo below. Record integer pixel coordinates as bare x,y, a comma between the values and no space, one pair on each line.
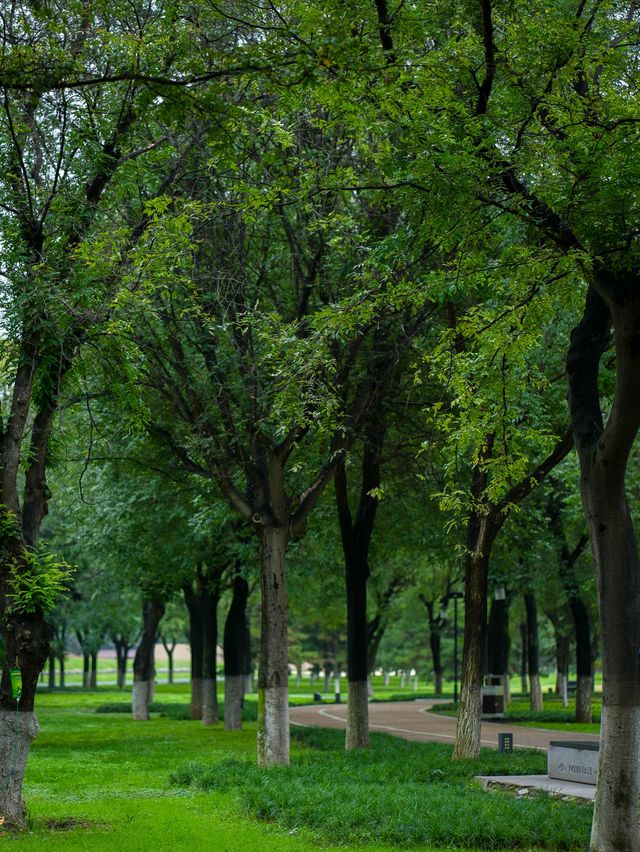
573,761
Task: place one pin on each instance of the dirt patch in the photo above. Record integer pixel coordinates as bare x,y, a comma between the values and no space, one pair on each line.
70,824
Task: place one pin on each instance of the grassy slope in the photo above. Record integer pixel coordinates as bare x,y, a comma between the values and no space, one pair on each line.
101,781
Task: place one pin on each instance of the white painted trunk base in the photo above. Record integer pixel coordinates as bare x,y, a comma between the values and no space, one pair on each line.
140,700
584,694
248,683
273,726
536,692
17,732
209,706
370,691
563,683
233,692
357,715
616,818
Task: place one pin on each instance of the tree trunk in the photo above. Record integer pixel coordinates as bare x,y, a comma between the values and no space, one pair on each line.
196,644
603,452
86,670
584,679
17,732
273,691
27,646
122,653
562,664
356,539
52,670
152,612
62,671
170,664
533,656
211,596
506,682
467,742
235,631
326,687
435,642
357,735
524,656
93,679
357,715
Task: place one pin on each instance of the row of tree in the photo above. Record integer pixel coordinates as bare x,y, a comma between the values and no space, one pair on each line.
269,247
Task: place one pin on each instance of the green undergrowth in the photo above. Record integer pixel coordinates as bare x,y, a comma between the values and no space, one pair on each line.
397,793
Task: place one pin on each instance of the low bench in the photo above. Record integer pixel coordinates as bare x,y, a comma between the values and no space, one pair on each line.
573,761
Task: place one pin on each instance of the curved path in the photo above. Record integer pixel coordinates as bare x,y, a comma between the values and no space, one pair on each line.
412,720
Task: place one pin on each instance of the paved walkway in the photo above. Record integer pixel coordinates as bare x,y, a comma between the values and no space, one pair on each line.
412,720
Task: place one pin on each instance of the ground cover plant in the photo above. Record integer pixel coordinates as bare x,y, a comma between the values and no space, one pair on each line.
98,780
399,793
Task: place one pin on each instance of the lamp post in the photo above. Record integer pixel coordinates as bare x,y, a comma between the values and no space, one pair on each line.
456,597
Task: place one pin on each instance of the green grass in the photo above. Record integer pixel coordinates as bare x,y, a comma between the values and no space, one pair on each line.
100,781
553,717
403,794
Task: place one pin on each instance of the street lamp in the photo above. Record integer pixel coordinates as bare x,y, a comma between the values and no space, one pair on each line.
456,597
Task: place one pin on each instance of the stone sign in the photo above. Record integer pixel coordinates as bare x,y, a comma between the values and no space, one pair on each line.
573,761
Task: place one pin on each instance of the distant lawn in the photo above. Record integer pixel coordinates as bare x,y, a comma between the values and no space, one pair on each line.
553,717
101,781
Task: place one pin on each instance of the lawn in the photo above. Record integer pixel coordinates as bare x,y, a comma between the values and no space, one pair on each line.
554,717
101,781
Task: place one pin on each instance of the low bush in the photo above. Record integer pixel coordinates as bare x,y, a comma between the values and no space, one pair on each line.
399,793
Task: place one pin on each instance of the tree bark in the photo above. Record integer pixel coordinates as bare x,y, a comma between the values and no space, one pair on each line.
152,612
211,596
27,647
86,670
524,656
603,452
194,608
435,641
356,536
169,648
122,652
584,675
93,677
52,670
235,632
563,644
273,676
467,742
17,732
533,656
